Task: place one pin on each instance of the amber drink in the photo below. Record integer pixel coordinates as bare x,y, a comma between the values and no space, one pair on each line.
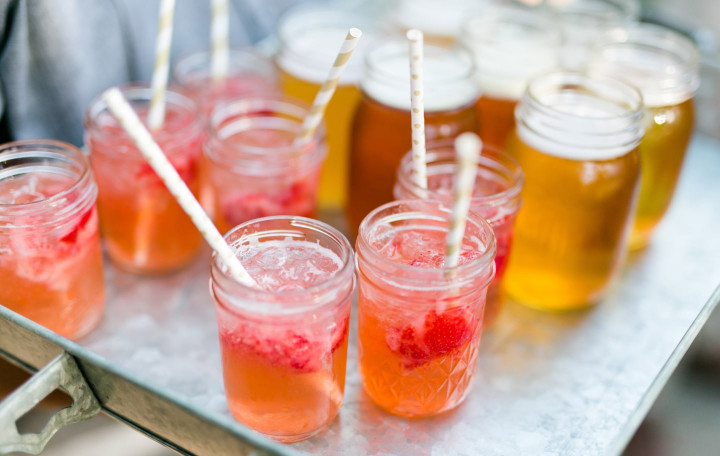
50,261
510,46
664,66
577,143
381,132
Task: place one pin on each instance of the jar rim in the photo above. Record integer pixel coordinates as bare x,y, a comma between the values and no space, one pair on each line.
491,158
248,59
27,148
485,260
221,277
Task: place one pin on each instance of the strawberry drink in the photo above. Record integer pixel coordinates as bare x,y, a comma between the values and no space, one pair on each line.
496,197
249,75
419,323
50,260
145,230
284,344
253,168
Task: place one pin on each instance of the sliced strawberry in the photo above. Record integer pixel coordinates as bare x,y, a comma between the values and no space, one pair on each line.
438,335
71,237
339,333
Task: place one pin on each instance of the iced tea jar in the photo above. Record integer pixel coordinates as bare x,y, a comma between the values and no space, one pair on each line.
381,132
664,66
309,41
577,142
510,46
50,261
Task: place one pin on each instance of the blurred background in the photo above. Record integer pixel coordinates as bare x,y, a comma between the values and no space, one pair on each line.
685,419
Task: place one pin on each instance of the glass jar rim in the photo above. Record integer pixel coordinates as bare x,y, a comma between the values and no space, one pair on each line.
625,52
491,158
48,147
199,62
281,106
485,260
219,276
138,91
538,23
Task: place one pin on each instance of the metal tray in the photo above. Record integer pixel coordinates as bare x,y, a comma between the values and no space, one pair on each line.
569,384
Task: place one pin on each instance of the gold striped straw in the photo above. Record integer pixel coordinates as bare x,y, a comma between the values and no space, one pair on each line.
467,146
156,115
417,108
142,138
314,118
220,29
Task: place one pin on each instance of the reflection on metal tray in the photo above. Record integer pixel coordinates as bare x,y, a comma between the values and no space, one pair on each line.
575,383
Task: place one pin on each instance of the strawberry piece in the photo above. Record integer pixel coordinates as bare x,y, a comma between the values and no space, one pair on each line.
71,237
438,335
251,205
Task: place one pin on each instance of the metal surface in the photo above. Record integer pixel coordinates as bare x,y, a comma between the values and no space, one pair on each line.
62,372
566,384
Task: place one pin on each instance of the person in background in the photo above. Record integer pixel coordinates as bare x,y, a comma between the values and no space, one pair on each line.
56,56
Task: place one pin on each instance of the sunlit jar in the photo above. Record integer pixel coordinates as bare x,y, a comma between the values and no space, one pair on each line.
510,46
50,260
664,65
577,142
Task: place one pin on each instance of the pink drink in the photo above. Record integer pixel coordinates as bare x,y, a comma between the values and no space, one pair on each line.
249,75
496,197
145,230
50,259
419,324
253,168
284,346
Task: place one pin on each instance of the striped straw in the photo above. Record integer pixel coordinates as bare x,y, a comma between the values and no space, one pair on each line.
314,117
156,115
467,146
417,108
142,138
220,36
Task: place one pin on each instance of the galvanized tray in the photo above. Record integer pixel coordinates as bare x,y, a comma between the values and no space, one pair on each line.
566,384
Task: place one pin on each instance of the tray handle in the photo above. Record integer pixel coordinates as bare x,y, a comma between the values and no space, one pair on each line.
60,372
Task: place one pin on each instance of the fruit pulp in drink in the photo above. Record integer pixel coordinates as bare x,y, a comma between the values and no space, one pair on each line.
54,278
285,377
144,228
418,360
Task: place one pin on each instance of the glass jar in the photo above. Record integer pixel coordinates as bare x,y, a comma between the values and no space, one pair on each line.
310,37
50,260
249,75
419,323
284,345
510,47
381,131
144,228
664,65
577,141
252,167
496,197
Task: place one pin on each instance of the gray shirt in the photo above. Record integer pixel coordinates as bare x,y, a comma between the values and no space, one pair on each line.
56,56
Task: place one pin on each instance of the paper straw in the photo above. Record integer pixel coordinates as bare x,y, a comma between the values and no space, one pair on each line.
142,138
156,115
314,118
417,108
467,146
220,29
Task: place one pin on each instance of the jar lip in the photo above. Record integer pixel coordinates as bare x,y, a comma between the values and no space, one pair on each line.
297,20
196,65
540,25
608,10
276,108
46,145
591,84
486,258
140,91
345,273
499,161
630,51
